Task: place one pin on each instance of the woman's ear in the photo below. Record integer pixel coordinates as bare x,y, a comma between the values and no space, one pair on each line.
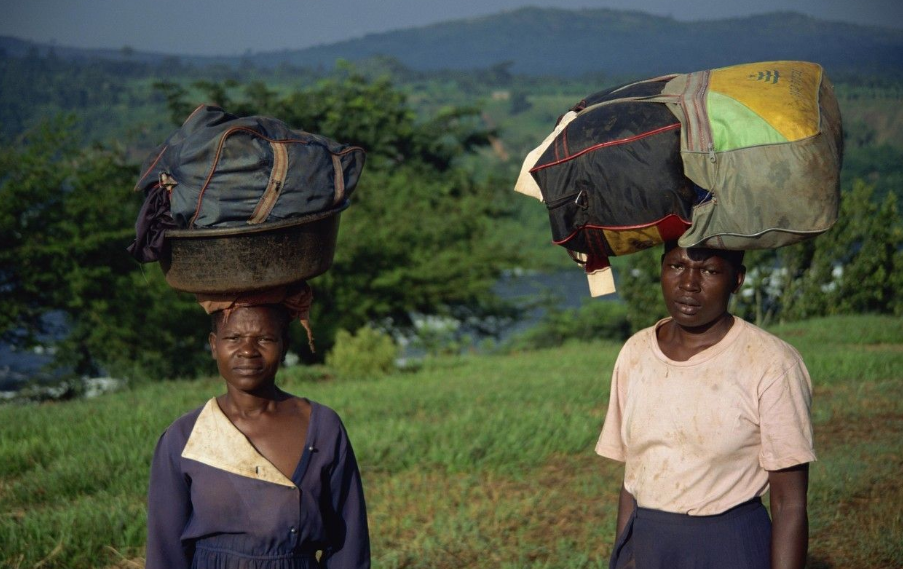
212,341
741,276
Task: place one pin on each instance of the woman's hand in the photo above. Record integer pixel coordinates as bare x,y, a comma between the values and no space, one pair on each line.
625,509
789,518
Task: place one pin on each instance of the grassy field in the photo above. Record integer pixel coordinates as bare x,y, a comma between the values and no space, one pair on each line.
472,461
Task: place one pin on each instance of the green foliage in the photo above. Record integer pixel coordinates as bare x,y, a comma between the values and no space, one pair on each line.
174,94
426,145
367,353
66,216
519,103
640,288
878,165
435,336
594,320
853,268
412,242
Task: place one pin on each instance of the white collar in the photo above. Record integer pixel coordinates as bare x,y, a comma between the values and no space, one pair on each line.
216,442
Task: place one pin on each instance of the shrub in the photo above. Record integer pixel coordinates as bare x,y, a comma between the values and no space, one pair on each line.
594,320
367,353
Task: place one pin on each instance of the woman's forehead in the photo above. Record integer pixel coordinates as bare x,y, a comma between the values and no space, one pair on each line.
252,317
699,255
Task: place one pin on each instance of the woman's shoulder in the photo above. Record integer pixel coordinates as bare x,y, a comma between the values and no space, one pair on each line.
763,342
173,440
326,416
328,430
643,340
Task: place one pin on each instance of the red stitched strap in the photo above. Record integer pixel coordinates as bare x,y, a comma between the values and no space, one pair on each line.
609,143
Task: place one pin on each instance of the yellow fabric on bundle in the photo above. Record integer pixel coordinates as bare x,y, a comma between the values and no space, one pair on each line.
783,93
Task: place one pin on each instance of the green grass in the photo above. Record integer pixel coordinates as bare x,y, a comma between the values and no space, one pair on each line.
471,461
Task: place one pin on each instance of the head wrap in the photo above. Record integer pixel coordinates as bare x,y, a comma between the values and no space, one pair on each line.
296,298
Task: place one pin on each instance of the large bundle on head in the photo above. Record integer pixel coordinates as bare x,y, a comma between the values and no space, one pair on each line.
743,157
242,203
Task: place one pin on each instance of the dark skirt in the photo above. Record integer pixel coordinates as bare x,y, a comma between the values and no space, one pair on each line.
739,538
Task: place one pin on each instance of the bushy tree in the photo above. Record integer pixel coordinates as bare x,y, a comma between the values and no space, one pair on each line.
415,238
640,288
66,215
855,267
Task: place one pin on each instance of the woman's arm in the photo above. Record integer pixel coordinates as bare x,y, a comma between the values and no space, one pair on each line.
625,509
789,518
168,510
347,525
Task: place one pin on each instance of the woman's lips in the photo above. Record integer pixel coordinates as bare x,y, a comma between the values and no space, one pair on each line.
687,305
246,370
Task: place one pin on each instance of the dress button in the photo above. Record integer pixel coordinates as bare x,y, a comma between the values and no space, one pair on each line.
293,530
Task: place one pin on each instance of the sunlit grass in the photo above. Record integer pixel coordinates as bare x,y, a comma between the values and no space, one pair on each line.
471,461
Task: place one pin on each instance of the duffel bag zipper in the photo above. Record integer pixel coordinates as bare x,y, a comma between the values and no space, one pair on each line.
565,199
698,131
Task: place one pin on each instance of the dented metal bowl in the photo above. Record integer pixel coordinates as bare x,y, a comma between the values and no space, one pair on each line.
235,259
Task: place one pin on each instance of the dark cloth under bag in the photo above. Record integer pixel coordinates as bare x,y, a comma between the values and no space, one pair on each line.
219,170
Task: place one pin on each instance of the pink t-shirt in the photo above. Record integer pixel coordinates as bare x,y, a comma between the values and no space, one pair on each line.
699,436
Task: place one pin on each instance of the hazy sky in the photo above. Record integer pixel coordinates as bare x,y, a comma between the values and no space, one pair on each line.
229,27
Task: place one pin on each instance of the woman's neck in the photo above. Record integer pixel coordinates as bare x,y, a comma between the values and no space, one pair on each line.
252,404
681,343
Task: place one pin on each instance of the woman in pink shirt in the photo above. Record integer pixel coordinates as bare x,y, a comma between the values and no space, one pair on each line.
709,413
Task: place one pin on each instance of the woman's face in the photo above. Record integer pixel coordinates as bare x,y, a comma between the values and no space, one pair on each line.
697,285
248,347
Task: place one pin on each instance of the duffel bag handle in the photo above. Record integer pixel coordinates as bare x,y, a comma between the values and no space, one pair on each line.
646,99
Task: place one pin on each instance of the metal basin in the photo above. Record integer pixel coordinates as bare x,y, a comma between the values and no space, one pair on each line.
235,259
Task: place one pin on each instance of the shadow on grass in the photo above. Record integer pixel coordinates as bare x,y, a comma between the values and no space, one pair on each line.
818,563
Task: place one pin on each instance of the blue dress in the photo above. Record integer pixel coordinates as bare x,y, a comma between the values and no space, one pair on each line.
215,503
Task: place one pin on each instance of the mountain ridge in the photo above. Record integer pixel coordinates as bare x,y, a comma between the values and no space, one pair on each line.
573,42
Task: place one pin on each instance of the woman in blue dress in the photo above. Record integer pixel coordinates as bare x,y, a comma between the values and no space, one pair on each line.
256,478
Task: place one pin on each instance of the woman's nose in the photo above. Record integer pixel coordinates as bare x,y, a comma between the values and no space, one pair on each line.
689,279
248,347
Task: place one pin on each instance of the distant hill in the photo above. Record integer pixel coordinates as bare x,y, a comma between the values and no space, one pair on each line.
572,42
540,41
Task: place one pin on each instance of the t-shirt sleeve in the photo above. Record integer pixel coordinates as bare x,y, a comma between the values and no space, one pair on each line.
784,418
610,443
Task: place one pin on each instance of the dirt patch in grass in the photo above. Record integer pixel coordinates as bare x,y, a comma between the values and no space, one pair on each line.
865,520
859,412
857,429
867,528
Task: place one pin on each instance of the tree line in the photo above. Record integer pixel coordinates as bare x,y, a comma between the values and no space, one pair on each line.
422,237
409,244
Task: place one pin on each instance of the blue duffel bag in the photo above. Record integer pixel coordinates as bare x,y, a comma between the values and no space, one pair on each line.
222,171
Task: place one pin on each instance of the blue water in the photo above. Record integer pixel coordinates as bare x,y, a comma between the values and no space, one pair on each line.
18,367
537,292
